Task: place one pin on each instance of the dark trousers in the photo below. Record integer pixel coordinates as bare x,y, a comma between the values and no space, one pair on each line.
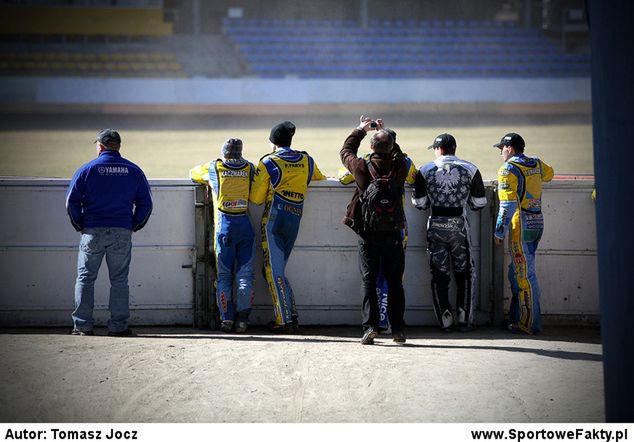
387,248
448,243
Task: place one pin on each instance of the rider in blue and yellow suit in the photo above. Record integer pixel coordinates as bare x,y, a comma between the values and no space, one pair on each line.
520,193
281,180
345,177
234,242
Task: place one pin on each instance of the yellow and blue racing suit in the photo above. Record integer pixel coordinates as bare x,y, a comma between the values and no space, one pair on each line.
345,177
281,180
234,240
520,193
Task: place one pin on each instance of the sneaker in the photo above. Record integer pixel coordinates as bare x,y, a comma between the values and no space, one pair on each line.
368,336
226,326
122,333
399,337
77,332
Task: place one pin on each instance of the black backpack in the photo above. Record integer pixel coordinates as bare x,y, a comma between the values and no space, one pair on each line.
382,201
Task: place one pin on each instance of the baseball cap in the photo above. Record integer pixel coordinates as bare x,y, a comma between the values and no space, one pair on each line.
443,140
232,148
511,139
282,134
109,138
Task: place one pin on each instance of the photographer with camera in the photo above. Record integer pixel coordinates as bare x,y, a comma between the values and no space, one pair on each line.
376,214
346,178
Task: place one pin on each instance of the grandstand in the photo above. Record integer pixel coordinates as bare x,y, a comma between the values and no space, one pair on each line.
106,39
168,39
400,49
88,63
79,20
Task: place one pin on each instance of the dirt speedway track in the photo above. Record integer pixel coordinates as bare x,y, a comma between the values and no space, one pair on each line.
320,375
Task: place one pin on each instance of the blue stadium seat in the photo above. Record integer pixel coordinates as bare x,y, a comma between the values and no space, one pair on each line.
411,48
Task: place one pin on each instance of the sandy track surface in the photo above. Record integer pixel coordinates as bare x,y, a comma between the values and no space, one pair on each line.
320,375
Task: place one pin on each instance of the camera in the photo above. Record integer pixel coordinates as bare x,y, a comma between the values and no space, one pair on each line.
373,125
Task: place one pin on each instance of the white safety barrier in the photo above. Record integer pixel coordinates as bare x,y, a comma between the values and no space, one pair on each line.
249,91
38,252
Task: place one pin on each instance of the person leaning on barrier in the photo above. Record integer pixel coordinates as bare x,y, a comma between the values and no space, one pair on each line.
447,185
376,214
234,241
281,181
520,192
345,177
108,199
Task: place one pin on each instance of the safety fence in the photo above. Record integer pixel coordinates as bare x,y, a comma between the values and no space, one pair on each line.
171,270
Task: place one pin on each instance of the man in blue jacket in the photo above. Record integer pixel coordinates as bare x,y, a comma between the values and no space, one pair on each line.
108,199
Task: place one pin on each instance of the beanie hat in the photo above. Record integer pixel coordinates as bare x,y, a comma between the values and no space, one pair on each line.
232,149
282,134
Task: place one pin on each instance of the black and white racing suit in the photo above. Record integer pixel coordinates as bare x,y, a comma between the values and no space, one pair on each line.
447,185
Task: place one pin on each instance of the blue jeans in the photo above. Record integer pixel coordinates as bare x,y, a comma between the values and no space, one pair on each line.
116,244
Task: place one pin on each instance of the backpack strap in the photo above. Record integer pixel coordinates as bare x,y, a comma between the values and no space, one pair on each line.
374,170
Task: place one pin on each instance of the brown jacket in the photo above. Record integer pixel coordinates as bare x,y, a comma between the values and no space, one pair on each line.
359,169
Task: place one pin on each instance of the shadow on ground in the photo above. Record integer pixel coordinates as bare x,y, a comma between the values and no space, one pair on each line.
484,338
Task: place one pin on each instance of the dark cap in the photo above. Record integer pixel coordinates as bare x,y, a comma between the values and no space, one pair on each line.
511,139
443,140
282,134
232,148
109,138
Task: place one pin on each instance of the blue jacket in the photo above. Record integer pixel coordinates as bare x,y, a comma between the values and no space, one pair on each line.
109,191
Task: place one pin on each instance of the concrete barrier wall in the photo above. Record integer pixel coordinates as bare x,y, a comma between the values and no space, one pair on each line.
291,91
324,270
38,255
567,264
38,252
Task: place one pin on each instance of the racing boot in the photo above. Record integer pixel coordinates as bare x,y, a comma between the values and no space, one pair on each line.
226,326
242,322
294,324
286,329
447,321
463,327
